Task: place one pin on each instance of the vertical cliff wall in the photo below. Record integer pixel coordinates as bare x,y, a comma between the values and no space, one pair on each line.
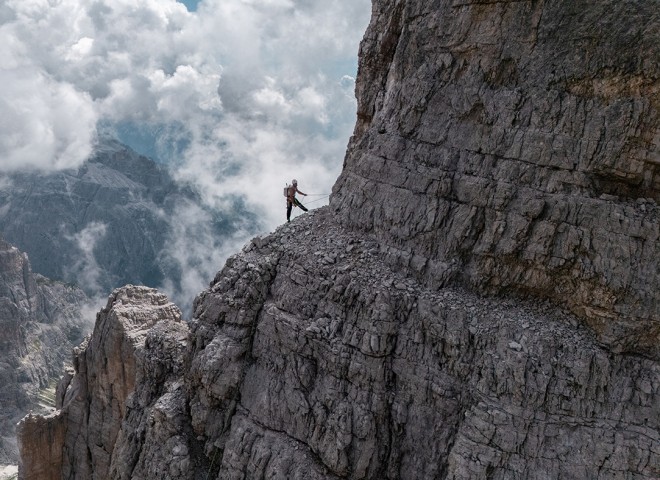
40,322
515,146
96,413
315,359
478,301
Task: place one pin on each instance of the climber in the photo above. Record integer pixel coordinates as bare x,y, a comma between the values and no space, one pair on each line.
291,200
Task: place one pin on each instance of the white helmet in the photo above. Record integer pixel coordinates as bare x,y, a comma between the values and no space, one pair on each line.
294,181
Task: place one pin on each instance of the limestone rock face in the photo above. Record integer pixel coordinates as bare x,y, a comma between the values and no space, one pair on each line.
315,359
515,147
138,339
46,436
479,300
40,322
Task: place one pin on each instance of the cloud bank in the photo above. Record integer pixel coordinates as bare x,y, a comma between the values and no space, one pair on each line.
237,97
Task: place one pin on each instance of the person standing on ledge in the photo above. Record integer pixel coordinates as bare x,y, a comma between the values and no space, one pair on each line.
291,199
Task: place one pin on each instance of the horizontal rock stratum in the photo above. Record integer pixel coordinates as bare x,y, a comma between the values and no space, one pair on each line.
479,300
514,146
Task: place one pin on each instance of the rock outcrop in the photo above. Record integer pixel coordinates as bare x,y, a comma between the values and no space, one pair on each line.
315,359
478,301
138,340
514,146
40,322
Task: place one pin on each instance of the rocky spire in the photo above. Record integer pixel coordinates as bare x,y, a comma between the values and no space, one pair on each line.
40,322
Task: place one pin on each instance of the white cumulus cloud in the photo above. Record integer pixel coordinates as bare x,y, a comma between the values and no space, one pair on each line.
239,96
44,123
86,269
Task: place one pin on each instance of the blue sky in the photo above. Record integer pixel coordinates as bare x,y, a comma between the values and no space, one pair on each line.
190,4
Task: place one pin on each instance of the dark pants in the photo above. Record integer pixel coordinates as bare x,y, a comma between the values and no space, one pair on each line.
289,206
